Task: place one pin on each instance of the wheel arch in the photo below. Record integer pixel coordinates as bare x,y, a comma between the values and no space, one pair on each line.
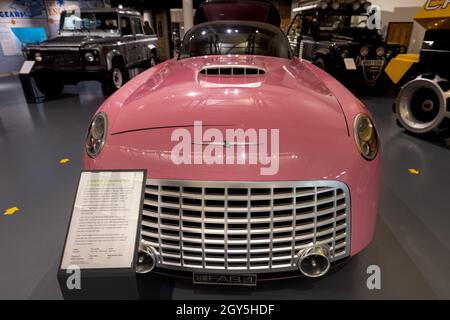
112,57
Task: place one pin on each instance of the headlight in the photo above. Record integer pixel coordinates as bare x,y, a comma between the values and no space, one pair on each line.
356,5
366,136
367,5
335,5
323,5
364,52
96,136
381,51
89,57
38,57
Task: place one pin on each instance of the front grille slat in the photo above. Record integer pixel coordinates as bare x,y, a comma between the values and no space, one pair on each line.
245,227
61,58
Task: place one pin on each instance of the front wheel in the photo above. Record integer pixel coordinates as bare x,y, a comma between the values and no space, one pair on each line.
320,62
114,79
48,86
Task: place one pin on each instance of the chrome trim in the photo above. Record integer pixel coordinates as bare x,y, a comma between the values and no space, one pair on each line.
188,235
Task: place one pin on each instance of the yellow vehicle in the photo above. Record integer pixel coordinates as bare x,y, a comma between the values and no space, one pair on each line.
423,102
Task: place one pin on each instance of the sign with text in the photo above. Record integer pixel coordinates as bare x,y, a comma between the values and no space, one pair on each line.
104,228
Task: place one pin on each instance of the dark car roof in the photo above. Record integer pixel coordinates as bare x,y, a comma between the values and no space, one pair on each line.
238,10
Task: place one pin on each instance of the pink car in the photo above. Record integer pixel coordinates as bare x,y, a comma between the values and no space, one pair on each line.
258,163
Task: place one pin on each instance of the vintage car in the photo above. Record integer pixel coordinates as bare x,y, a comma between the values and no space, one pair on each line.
422,104
258,163
94,44
335,37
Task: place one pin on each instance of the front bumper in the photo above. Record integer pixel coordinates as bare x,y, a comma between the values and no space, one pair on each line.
70,75
244,227
262,277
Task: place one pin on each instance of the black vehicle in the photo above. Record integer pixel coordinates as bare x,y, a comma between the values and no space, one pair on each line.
336,37
94,44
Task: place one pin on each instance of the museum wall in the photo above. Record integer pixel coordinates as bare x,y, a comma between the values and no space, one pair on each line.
402,11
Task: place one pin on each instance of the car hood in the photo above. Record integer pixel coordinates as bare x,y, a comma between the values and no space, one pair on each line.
288,96
73,41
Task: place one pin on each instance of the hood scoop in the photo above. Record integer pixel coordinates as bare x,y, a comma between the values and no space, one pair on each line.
230,71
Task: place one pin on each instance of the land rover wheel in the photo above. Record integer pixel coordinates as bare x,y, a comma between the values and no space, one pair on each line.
114,79
50,87
152,62
320,62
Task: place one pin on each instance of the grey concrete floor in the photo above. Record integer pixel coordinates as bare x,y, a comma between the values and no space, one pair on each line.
411,245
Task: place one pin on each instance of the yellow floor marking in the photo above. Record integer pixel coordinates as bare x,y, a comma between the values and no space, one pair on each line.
413,171
64,161
10,211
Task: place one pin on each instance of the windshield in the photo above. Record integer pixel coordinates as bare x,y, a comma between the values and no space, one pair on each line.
222,38
90,21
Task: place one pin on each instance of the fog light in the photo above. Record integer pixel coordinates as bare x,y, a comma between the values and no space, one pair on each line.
146,258
314,261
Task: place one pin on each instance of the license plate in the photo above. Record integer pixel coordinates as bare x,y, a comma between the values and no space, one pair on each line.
373,63
350,64
225,279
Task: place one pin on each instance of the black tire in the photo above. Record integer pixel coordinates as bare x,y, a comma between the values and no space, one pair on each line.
320,62
115,79
49,87
153,61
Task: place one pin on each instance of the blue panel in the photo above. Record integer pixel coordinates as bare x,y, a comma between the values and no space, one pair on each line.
30,35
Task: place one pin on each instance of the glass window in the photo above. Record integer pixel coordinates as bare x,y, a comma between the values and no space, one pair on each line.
138,26
246,38
125,26
90,21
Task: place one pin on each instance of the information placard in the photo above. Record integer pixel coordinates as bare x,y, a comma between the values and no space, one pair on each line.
104,228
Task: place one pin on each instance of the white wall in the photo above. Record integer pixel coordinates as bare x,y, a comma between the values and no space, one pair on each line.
402,11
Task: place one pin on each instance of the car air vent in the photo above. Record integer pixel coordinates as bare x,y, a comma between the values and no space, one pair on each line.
231,71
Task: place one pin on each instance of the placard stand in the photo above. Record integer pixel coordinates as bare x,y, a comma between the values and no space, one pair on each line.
29,88
100,252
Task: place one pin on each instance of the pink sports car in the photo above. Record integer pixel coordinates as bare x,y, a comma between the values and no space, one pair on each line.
258,163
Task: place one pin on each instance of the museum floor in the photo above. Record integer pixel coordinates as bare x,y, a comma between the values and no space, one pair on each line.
411,245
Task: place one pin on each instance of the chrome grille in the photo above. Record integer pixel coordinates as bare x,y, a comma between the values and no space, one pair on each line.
244,227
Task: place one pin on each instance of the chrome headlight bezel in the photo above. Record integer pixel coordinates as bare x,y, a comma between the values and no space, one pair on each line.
381,51
344,54
89,57
356,5
367,144
364,51
96,135
38,57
